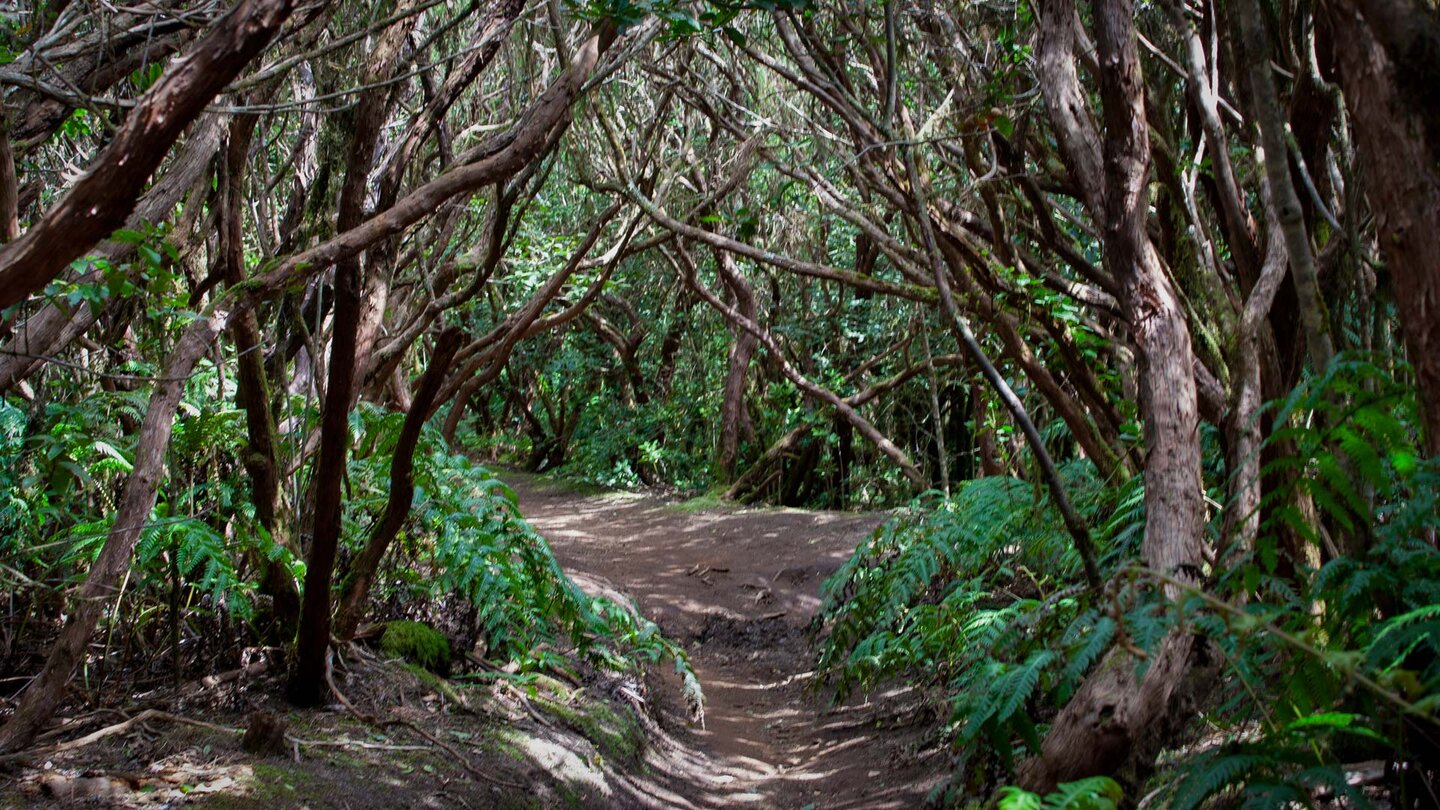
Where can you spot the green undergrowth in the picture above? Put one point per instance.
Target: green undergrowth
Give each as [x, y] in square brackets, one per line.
[389, 766]
[616, 734]
[980, 596]
[708, 501]
[466, 541]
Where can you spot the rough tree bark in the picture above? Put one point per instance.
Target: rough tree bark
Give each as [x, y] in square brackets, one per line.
[1242, 513]
[1389, 60]
[9, 191]
[1116, 720]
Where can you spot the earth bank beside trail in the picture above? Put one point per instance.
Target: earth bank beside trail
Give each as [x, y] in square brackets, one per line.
[739, 587]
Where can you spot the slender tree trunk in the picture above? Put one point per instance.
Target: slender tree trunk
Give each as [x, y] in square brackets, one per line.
[356, 590]
[9, 190]
[985, 444]
[252, 391]
[937, 420]
[137, 499]
[742, 350]
[1270, 118]
[307, 681]
[1242, 514]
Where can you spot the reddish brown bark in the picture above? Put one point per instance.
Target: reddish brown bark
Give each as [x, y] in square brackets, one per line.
[9, 191]
[1395, 135]
[101, 200]
[402, 488]
[54, 327]
[307, 681]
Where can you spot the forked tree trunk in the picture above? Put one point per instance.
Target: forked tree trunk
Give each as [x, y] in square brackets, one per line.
[312, 643]
[1117, 721]
[1242, 513]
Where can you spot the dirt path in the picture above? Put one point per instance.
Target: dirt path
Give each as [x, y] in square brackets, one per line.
[738, 587]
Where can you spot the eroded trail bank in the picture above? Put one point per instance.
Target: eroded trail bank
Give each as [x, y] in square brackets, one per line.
[738, 588]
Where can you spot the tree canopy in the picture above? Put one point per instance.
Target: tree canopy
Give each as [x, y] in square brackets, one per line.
[1135, 308]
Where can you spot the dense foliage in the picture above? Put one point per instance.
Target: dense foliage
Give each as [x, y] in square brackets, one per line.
[1130, 308]
[980, 596]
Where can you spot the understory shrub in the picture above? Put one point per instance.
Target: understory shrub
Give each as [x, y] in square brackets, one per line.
[979, 596]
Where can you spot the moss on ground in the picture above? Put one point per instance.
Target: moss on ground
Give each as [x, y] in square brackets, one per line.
[617, 736]
[418, 643]
[708, 502]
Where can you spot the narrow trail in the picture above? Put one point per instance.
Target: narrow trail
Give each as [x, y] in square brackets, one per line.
[737, 587]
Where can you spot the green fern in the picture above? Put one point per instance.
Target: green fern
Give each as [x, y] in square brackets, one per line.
[1095, 793]
[467, 535]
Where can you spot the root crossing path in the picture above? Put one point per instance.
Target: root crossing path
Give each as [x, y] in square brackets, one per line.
[738, 587]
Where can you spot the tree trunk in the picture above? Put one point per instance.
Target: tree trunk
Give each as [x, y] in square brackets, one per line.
[1397, 135]
[742, 350]
[1270, 119]
[137, 499]
[1115, 719]
[356, 590]
[252, 392]
[307, 681]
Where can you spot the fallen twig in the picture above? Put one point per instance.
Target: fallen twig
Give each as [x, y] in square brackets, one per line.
[369, 746]
[125, 725]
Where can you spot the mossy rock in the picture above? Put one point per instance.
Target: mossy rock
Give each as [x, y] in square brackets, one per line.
[418, 643]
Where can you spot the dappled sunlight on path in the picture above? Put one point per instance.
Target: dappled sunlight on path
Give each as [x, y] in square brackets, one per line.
[738, 589]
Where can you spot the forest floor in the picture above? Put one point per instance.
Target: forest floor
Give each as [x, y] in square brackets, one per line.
[736, 587]
[739, 587]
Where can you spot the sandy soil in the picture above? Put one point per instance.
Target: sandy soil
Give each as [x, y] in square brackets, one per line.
[738, 588]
